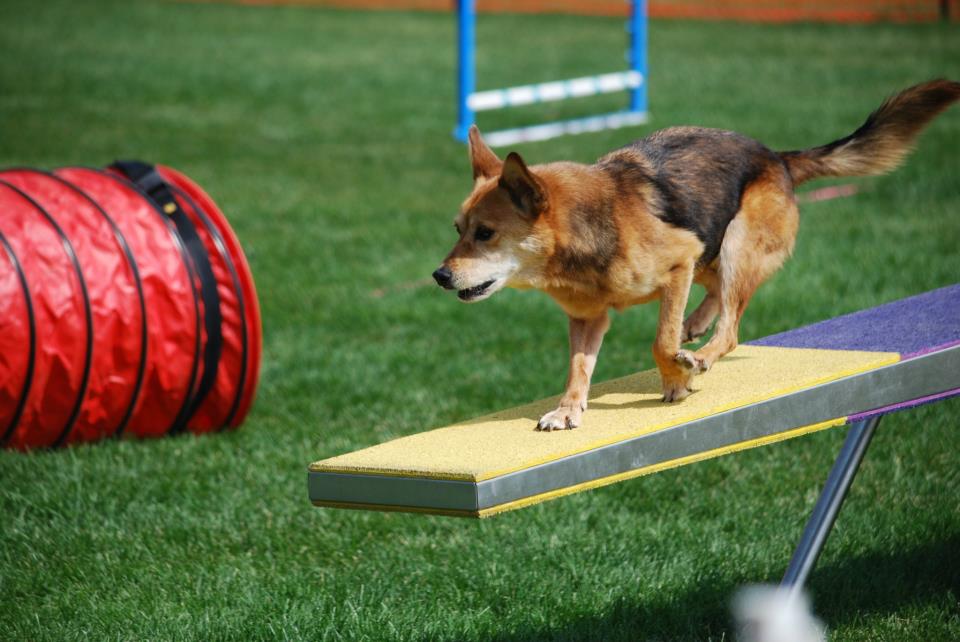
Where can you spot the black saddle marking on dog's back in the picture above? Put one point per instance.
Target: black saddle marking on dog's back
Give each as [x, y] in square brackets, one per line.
[698, 175]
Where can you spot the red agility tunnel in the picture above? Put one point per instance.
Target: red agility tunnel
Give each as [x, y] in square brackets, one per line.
[127, 307]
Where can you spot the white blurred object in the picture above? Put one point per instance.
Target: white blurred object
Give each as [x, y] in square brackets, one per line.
[774, 614]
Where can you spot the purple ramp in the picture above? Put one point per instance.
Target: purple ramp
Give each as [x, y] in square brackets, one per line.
[912, 326]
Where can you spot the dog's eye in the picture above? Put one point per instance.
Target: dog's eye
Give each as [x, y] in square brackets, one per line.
[483, 234]
[457, 228]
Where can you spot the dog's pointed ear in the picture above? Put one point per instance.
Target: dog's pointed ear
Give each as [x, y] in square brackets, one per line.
[526, 191]
[485, 163]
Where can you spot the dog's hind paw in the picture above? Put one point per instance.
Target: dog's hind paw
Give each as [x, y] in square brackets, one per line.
[691, 362]
[563, 418]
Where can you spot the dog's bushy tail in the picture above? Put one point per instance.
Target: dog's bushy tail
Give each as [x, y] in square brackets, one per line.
[882, 141]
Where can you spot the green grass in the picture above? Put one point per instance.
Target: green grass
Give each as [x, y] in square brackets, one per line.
[324, 135]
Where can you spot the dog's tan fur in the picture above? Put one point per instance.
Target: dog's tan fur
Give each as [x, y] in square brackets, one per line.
[685, 205]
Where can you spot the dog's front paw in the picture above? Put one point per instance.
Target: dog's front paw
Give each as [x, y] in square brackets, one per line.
[675, 391]
[691, 362]
[563, 418]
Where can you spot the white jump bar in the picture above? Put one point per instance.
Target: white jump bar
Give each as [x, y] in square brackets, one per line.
[557, 90]
[532, 133]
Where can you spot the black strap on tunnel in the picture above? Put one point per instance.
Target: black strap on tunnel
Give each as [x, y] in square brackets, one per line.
[148, 179]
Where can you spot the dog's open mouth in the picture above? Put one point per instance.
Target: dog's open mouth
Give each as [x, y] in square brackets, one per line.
[475, 292]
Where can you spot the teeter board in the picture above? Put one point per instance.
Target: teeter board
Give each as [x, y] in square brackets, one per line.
[842, 370]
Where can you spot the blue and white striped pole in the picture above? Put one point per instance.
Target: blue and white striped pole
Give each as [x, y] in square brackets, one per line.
[556, 90]
[466, 74]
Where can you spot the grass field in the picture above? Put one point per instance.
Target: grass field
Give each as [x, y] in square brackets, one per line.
[324, 135]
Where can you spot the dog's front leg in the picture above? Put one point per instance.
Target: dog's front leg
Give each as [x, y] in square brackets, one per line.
[586, 335]
[677, 367]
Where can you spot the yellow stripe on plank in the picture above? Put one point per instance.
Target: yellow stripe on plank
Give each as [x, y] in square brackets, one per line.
[620, 409]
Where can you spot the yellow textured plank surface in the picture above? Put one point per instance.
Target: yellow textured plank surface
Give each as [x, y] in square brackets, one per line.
[620, 409]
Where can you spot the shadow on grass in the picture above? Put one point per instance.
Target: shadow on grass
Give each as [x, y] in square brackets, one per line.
[843, 592]
[881, 582]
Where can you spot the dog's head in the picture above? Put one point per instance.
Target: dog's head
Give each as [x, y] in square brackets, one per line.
[497, 226]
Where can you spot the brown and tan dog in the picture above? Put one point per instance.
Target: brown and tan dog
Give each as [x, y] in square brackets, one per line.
[684, 205]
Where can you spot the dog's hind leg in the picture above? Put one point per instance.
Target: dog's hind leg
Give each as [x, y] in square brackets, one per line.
[586, 336]
[676, 378]
[700, 320]
[756, 243]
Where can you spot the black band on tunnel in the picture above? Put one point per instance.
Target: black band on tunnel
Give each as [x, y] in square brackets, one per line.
[148, 179]
[238, 291]
[28, 378]
[180, 419]
[87, 312]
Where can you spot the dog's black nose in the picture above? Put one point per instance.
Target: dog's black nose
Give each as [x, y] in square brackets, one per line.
[443, 276]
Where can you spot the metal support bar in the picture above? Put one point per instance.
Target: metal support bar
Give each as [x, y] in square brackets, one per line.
[828, 505]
